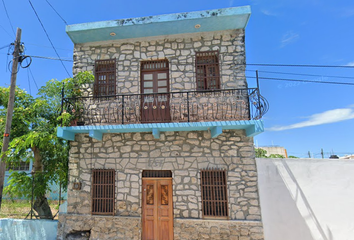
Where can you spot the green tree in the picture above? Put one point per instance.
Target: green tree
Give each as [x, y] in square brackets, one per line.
[33, 136]
[261, 153]
[276, 156]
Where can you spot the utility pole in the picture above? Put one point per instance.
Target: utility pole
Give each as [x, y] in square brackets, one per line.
[322, 153]
[10, 109]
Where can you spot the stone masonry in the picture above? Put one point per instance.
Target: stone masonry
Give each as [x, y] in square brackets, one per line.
[180, 52]
[185, 154]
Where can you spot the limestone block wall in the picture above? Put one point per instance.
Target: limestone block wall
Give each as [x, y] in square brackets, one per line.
[178, 49]
[184, 153]
[129, 228]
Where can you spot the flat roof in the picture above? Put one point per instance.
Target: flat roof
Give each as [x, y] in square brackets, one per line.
[167, 24]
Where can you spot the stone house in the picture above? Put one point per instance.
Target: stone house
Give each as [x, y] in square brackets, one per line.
[165, 150]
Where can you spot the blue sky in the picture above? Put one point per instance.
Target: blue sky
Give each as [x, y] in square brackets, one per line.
[302, 116]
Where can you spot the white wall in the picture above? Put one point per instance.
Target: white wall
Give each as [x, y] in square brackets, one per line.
[20, 229]
[307, 199]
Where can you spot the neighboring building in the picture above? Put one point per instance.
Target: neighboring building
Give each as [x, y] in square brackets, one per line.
[275, 150]
[347, 157]
[54, 192]
[166, 151]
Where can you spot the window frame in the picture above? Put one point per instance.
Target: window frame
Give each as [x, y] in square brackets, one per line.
[213, 183]
[154, 67]
[105, 68]
[99, 205]
[20, 166]
[207, 62]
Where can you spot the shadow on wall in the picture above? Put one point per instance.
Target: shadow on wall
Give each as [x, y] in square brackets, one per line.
[286, 212]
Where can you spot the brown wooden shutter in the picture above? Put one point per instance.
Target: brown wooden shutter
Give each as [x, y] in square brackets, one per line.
[214, 193]
[105, 77]
[103, 191]
[207, 70]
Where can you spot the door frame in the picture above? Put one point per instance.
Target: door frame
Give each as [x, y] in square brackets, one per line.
[158, 209]
[155, 110]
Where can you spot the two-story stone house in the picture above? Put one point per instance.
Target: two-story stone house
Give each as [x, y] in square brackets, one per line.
[166, 149]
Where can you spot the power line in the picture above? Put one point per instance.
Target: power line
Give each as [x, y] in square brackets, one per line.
[29, 82]
[48, 36]
[47, 46]
[301, 74]
[52, 58]
[5, 46]
[297, 80]
[49, 58]
[57, 12]
[297, 65]
[34, 80]
[6, 31]
[8, 17]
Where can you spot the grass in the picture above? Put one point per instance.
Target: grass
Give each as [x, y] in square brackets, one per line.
[21, 208]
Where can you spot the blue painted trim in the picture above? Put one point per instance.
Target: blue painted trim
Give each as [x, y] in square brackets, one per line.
[156, 133]
[161, 25]
[68, 135]
[96, 135]
[251, 127]
[216, 131]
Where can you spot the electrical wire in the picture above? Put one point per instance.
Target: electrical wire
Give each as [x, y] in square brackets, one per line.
[301, 74]
[34, 80]
[296, 65]
[57, 12]
[48, 47]
[52, 58]
[298, 80]
[5, 46]
[8, 17]
[6, 31]
[29, 82]
[48, 37]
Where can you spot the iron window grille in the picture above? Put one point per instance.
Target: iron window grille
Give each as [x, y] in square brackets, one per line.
[157, 174]
[21, 166]
[214, 193]
[207, 70]
[103, 191]
[105, 77]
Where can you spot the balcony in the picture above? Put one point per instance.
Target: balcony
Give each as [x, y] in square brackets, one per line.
[174, 111]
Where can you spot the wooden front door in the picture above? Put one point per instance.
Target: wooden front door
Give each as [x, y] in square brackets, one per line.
[157, 209]
[155, 99]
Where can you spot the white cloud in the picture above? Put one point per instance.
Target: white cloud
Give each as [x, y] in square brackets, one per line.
[350, 64]
[288, 38]
[231, 3]
[268, 12]
[330, 116]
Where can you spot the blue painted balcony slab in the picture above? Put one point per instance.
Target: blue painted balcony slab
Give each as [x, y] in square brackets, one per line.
[251, 127]
[160, 25]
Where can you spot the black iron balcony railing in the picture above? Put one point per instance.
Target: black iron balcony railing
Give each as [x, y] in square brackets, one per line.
[193, 106]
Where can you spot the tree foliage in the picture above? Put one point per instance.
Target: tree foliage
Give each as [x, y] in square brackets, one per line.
[33, 136]
[261, 153]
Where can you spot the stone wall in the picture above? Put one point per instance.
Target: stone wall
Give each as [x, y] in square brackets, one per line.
[82, 227]
[186, 229]
[184, 153]
[180, 52]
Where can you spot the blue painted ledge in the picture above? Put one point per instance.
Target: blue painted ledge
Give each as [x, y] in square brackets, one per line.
[251, 127]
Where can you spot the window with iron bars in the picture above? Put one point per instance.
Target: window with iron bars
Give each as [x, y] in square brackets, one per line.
[214, 193]
[21, 166]
[103, 191]
[207, 70]
[105, 77]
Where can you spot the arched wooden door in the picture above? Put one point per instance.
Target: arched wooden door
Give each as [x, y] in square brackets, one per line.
[157, 209]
